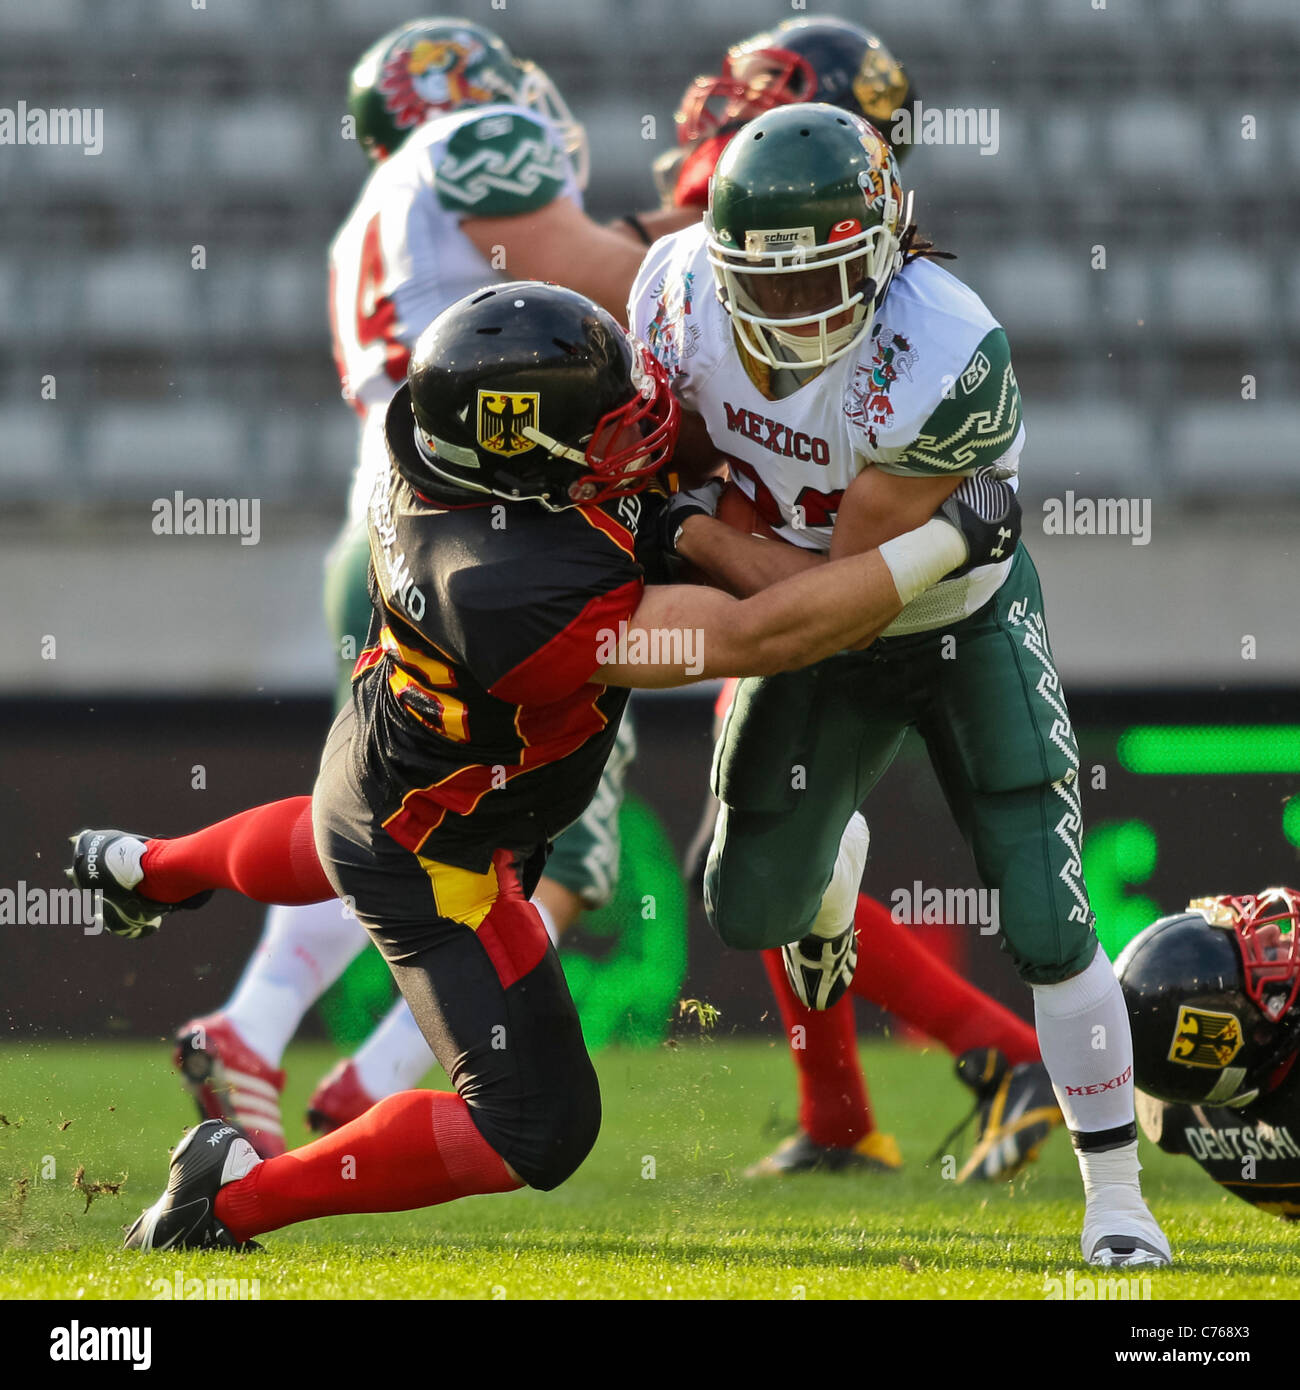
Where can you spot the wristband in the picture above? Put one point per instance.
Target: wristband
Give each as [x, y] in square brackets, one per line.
[917, 559]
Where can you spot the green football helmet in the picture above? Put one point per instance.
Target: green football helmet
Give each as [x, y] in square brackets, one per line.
[805, 218]
[431, 66]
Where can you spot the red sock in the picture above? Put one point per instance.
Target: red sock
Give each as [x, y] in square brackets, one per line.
[833, 1104]
[267, 854]
[896, 973]
[413, 1149]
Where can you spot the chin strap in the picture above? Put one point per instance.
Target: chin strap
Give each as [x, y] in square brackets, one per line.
[810, 350]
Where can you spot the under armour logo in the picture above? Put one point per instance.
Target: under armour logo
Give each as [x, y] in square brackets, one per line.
[1003, 536]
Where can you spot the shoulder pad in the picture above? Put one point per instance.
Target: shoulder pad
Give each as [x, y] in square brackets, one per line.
[662, 300]
[976, 420]
[500, 164]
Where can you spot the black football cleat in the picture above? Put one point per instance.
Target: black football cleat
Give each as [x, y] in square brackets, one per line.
[1017, 1110]
[184, 1217]
[820, 968]
[108, 862]
[873, 1153]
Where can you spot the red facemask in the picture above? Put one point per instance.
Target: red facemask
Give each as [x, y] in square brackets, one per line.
[749, 84]
[652, 416]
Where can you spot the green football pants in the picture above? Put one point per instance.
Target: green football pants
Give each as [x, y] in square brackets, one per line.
[800, 752]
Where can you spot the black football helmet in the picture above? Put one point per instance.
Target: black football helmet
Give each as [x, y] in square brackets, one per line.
[1210, 995]
[827, 60]
[530, 392]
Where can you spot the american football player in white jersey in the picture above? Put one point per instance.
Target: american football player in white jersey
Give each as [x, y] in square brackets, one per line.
[479, 170]
[856, 385]
[842, 63]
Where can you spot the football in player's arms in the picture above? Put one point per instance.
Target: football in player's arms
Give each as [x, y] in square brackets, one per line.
[1211, 994]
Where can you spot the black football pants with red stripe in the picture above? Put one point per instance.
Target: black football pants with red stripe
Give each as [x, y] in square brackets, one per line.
[472, 959]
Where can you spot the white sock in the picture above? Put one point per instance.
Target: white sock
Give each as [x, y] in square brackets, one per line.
[395, 1056]
[548, 921]
[302, 952]
[1083, 1031]
[840, 900]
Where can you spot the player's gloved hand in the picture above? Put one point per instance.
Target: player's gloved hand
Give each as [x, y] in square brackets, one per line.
[699, 501]
[987, 513]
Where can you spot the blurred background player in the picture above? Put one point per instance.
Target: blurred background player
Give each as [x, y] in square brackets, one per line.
[822, 366]
[828, 60]
[479, 173]
[997, 1055]
[1211, 995]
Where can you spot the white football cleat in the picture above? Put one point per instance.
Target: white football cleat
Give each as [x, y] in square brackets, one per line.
[1118, 1229]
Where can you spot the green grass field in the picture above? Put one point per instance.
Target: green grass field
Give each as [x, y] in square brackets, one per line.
[701, 1111]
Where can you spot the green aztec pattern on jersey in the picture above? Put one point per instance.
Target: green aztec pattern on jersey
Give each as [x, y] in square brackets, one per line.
[976, 421]
[500, 166]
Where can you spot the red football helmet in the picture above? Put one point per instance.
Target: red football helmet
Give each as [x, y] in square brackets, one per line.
[830, 60]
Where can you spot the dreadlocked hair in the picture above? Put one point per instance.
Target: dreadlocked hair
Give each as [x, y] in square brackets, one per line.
[914, 246]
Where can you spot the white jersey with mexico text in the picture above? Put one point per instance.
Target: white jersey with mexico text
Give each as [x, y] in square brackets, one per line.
[928, 391]
[401, 257]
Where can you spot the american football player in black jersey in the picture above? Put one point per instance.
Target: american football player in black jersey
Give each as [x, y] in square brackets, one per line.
[511, 541]
[1211, 993]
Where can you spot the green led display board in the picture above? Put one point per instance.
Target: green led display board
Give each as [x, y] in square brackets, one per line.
[1211, 808]
[1210, 750]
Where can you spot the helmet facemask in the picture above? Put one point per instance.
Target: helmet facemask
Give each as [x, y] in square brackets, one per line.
[538, 93]
[751, 81]
[1266, 929]
[797, 303]
[612, 462]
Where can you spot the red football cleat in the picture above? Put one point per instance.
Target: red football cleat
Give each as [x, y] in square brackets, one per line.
[338, 1099]
[228, 1080]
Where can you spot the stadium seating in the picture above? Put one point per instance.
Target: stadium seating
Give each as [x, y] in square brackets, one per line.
[1246, 448]
[222, 128]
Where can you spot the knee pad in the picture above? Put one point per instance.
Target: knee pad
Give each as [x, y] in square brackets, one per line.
[752, 912]
[740, 910]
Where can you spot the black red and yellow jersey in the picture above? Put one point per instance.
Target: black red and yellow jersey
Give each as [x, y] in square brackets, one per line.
[1254, 1152]
[478, 727]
